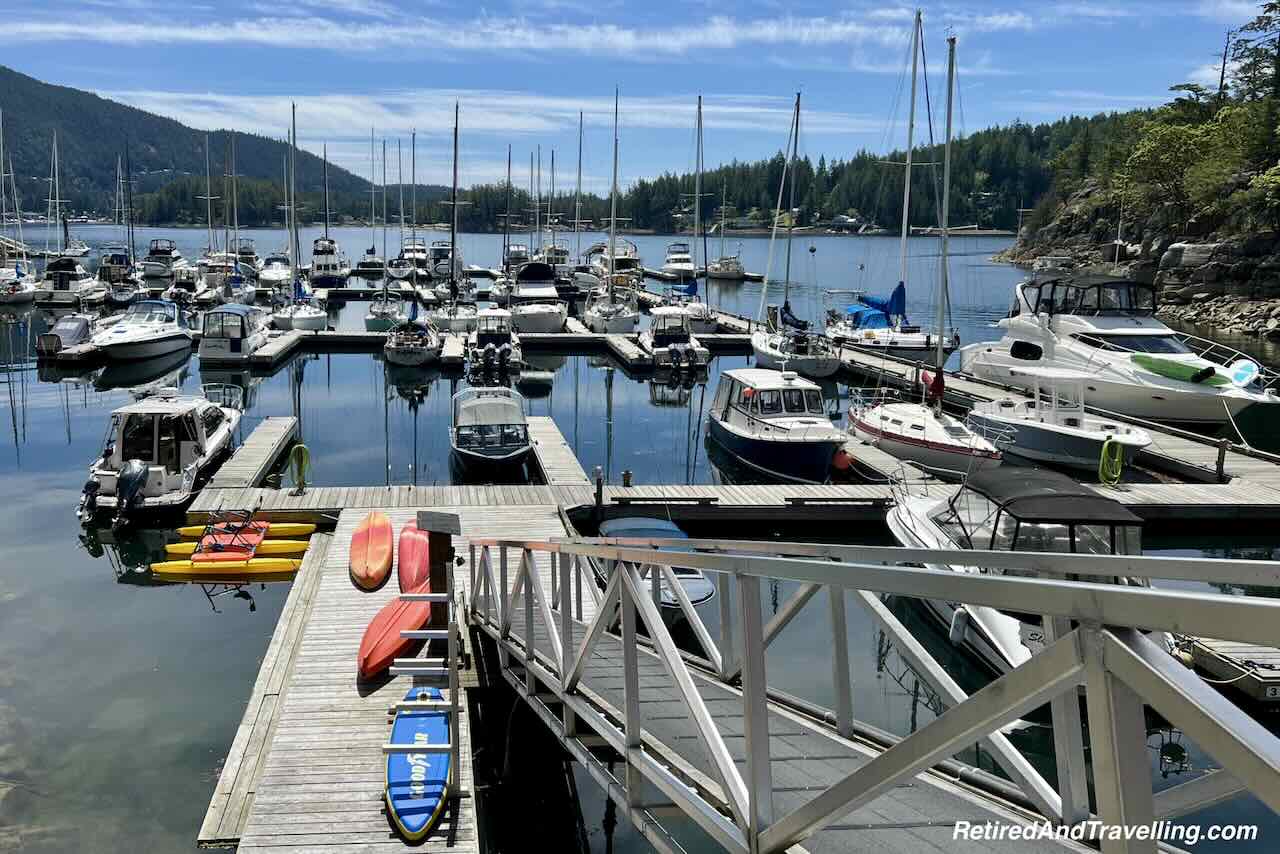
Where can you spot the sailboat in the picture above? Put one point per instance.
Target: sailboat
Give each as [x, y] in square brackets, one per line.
[702, 319]
[371, 264]
[65, 282]
[17, 283]
[453, 315]
[727, 267]
[613, 310]
[412, 343]
[922, 433]
[787, 343]
[879, 324]
[329, 266]
[302, 313]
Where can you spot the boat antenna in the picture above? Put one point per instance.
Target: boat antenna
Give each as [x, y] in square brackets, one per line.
[946, 201]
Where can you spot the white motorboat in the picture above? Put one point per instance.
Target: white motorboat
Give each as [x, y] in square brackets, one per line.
[697, 587]
[232, 333]
[1106, 328]
[65, 282]
[534, 302]
[189, 287]
[401, 268]
[329, 267]
[555, 254]
[703, 319]
[413, 251]
[1052, 426]
[679, 261]
[1010, 509]
[489, 433]
[669, 339]
[148, 328]
[612, 310]
[114, 264]
[412, 343]
[516, 255]
[70, 330]
[623, 258]
[276, 273]
[246, 253]
[157, 451]
[161, 259]
[776, 423]
[370, 264]
[794, 350]
[441, 260]
[493, 345]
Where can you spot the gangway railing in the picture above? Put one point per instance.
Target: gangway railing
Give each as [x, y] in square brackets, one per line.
[1095, 639]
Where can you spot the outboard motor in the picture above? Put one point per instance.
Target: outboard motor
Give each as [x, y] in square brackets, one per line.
[88, 501]
[490, 354]
[677, 357]
[504, 356]
[129, 485]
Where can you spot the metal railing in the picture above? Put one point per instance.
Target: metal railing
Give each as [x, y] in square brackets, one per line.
[1094, 638]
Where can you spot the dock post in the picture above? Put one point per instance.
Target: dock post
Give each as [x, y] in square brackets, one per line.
[1223, 444]
[1068, 737]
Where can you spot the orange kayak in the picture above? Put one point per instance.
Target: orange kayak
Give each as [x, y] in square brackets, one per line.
[382, 644]
[371, 551]
[413, 559]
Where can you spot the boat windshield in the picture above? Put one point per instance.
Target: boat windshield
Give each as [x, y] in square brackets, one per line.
[492, 436]
[1128, 343]
[138, 438]
[223, 324]
[150, 312]
[973, 521]
[1100, 298]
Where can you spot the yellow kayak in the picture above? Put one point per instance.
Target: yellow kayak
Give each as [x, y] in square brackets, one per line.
[219, 568]
[265, 548]
[274, 529]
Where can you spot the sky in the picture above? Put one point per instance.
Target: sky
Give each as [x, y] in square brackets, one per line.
[523, 69]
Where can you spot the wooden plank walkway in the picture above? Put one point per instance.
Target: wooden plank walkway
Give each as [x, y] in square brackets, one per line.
[1248, 668]
[250, 462]
[628, 352]
[556, 459]
[238, 779]
[452, 349]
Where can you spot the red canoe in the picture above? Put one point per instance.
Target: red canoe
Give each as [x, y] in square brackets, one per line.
[413, 565]
[371, 551]
[382, 643]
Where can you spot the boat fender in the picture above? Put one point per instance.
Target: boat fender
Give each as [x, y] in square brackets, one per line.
[1204, 374]
[959, 625]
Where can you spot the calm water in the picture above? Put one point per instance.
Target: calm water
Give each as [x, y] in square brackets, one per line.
[119, 698]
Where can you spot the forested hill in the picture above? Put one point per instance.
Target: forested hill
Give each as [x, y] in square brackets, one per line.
[93, 131]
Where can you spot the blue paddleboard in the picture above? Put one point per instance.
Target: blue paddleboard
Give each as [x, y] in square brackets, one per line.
[416, 782]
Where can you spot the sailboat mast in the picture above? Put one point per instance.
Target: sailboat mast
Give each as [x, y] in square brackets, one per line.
[384, 202]
[506, 220]
[453, 223]
[577, 199]
[533, 245]
[551, 201]
[911, 131]
[724, 203]
[208, 192]
[57, 193]
[613, 196]
[791, 200]
[373, 196]
[288, 213]
[413, 188]
[946, 204]
[324, 151]
[235, 195]
[537, 205]
[128, 196]
[400, 188]
[294, 240]
[697, 195]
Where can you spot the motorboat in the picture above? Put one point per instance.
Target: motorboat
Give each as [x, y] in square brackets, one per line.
[157, 451]
[443, 262]
[276, 273]
[876, 325]
[401, 268]
[414, 251]
[489, 433]
[370, 264]
[678, 263]
[453, 316]
[148, 328]
[385, 311]
[556, 255]
[115, 264]
[161, 259]
[188, 288]
[232, 333]
[625, 259]
[670, 341]
[703, 319]
[1106, 327]
[246, 254]
[124, 294]
[516, 255]
[66, 282]
[922, 434]
[493, 345]
[1010, 509]
[697, 588]
[70, 330]
[145, 376]
[329, 267]
[534, 302]
[776, 423]
[612, 310]
[412, 343]
[1051, 426]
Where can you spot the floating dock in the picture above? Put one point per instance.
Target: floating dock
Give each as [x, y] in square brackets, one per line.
[559, 465]
[249, 463]
[1248, 668]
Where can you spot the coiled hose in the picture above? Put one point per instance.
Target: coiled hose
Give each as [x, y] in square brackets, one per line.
[1111, 462]
[300, 467]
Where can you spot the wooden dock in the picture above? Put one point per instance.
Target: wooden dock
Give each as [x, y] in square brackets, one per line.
[452, 350]
[250, 462]
[556, 459]
[1248, 668]
[242, 768]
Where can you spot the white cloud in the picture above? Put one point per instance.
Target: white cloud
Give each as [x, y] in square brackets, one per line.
[1208, 75]
[1228, 11]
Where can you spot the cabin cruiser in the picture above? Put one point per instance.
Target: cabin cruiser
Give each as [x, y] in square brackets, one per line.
[157, 450]
[702, 318]
[246, 254]
[65, 282]
[412, 343]
[776, 423]
[921, 433]
[413, 260]
[188, 288]
[276, 273]
[679, 262]
[493, 346]
[115, 264]
[1051, 426]
[534, 302]
[1010, 509]
[329, 267]
[516, 255]
[876, 325]
[161, 259]
[401, 268]
[556, 255]
[70, 330]
[440, 257]
[232, 333]
[149, 328]
[1106, 328]
[370, 264]
[669, 339]
[626, 259]
[612, 310]
[697, 587]
[489, 433]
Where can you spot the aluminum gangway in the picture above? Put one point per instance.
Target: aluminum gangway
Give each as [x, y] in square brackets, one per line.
[675, 736]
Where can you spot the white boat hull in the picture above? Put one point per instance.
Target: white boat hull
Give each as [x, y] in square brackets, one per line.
[934, 456]
[148, 348]
[538, 318]
[613, 324]
[818, 366]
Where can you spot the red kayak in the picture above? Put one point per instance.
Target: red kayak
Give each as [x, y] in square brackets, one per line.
[382, 643]
[414, 558]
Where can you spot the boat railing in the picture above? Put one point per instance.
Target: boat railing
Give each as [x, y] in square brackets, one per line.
[224, 394]
[862, 399]
[1000, 435]
[1224, 355]
[539, 601]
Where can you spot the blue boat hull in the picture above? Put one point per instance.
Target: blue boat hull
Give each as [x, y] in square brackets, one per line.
[417, 783]
[794, 462]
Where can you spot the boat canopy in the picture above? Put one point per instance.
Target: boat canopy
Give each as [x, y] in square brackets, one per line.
[1039, 495]
[1091, 295]
[536, 271]
[162, 245]
[893, 306]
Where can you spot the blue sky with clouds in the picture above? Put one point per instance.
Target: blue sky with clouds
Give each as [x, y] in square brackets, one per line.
[524, 69]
